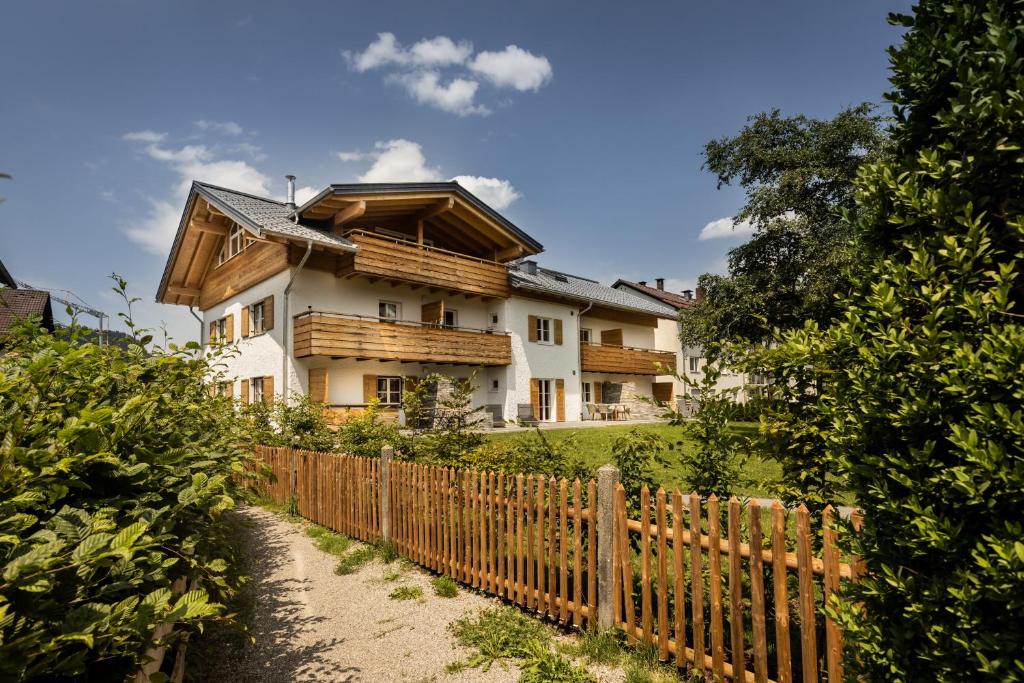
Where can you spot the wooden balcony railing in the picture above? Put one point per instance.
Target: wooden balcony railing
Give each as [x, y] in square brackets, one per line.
[340, 335]
[396, 259]
[626, 360]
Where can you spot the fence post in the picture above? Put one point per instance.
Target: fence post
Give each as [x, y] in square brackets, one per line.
[384, 496]
[607, 478]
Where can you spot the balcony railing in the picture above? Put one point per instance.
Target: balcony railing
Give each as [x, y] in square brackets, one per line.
[342, 335]
[397, 259]
[626, 360]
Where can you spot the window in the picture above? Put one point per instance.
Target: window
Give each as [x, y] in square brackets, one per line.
[585, 335]
[226, 389]
[494, 318]
[451, 318]
[218, 330]
[494, 385]
[235, 242]
[256, 385]
[694, 363]
[546, 396]
[389, 311]
[544, 330]
[759, 379]
[587, 391]
[389, 390]
[256, 318]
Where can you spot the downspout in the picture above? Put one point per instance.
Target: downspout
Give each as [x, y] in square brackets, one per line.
[579, 351]
[202, 325]
[287, 321]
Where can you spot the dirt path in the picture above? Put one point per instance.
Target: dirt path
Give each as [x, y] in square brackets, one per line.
[313, 625]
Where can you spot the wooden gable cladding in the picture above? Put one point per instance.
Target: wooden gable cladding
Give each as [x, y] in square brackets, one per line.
[395, 259]
[253, 265]
[319, 334]
[625, 360]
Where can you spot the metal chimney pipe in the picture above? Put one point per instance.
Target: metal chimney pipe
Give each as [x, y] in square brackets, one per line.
[291, 191]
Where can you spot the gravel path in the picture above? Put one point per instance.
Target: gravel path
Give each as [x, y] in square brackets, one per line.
[313, 625]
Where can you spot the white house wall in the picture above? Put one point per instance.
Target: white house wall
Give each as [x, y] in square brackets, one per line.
[542, 361]
[640, 336]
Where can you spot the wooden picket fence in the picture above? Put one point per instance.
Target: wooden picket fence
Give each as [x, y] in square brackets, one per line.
[731, 606]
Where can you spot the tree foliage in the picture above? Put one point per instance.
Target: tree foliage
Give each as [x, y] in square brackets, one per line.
[928, 388]
[798, 175]
[115, 467]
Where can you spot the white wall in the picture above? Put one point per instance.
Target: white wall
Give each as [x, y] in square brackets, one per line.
[259, 355]
[542, 361]
[640, 336]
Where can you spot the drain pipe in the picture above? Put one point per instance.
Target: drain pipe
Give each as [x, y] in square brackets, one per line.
[579, 350]
[286, 345]
[202, 325]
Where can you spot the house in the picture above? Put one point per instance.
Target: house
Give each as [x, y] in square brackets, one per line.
[18, 304]
[367, 286]
[690, 361]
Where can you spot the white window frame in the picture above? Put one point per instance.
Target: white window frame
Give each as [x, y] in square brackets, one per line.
[235, 242]
[389, 388]
[694, 364]
[382, 304]
[545, 331]
[455, 319]
[220, 330]
[256, 387]
[546, 399]
[588, 392]
[586, 335]
[256, 320]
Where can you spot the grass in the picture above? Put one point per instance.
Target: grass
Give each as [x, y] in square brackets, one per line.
[328, 541]
[406, 593]
[355, 560]
[496, 634]
[595, 446]
[604, 647]
[444, 586]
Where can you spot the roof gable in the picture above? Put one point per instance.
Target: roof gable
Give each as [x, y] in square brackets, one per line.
[585, 290]
[677, 301]
[20, 304]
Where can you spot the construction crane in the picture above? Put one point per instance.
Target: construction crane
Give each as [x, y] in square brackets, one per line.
[77, 306]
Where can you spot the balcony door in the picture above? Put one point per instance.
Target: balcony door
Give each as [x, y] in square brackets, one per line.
[546, 400]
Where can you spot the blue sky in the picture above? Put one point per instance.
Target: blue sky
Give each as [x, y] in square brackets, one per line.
[583, 122]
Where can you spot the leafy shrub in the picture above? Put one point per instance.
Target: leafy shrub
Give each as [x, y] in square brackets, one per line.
[297, 423]
[365, 434]
[115, 467]
[533, 452]
[633, 453]
[444, 586]
[713, 464]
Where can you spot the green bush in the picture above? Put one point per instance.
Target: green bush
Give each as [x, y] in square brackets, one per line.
[365, 434]
[297, 423]
[115, 467]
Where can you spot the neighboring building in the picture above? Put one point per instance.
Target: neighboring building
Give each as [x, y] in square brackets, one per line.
[368, 286]
[690, 361]
[18, 304]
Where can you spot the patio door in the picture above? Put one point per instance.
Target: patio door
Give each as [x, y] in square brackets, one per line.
[546, 400]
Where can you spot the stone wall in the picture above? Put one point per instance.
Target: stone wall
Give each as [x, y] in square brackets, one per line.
[627, 394]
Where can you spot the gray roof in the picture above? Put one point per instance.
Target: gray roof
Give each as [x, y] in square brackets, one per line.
[267, 216]
[586, 290]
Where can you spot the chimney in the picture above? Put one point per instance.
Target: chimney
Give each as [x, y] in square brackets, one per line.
[529, 267]
[661, 283]
[688, 294]
[642, 283]
[291, 192]
[700, 293]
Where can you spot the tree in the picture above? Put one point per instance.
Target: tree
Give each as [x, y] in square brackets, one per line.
[798, 174]
[928, 391]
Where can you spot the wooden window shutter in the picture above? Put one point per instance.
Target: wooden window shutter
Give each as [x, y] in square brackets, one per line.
[596, 394]
[433, 312]
[268, 390]
[560, 400]
[245, 391]
[369, 388]
[229, 328]
[213, 332]
[662, 391]
[268, 314]
[229, 389]
[535, 398]
[532, 331]
[612, 337]
[558, 332]
[318, 385]
[245, 321]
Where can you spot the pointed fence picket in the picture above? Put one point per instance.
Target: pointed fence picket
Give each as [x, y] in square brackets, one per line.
[743, 607]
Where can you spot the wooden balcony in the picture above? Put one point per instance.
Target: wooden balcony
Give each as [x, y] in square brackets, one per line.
[625, 360]
[353, 336]
[399, 260]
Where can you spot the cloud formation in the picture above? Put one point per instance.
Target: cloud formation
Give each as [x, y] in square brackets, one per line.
[149, 136]
[725, 227]
[225, 127]
[496, 192]
[443, 73]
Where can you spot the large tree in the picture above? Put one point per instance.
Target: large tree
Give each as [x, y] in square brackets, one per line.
[798, 174]
[927, 390]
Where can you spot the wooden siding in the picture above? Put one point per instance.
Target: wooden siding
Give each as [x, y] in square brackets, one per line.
[625, 360]
[396, 259]
[338, 336]
[254, 265]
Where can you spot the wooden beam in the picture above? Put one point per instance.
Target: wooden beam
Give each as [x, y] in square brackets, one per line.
[509, 253]
[349, 213]
[437, 209]
[211, 228]
[177, 290]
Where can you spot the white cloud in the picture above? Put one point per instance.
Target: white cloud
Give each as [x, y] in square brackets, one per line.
[351, 156]
[495, 192]
[155, 233]
[513, 67]
[226, 127]
[386, 50]
[724, 227]
[399, 161]
[456, 96]
[148, 136]
[304, 194]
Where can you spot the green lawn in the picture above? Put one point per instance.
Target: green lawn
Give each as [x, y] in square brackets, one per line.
[596, 447]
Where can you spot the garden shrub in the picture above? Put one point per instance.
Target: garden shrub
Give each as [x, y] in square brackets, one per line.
[365, 434]
[115, 466]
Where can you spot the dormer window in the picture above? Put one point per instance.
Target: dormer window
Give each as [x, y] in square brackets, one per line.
[234, 244]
